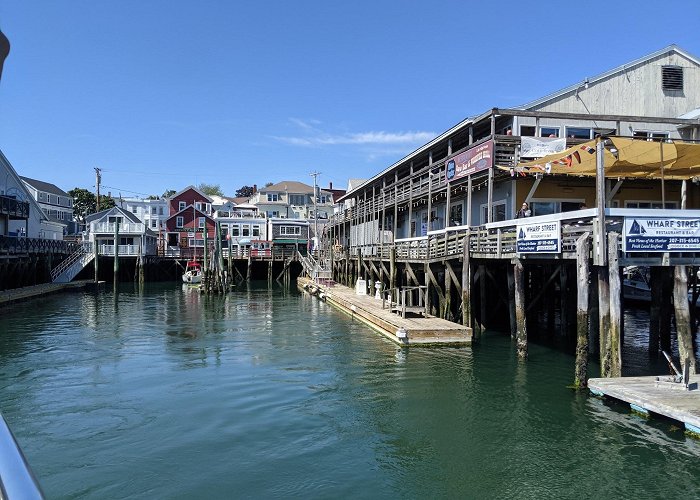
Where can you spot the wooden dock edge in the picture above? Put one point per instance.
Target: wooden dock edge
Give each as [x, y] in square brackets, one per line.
[30, 292]
[377, 324]
[647, 405]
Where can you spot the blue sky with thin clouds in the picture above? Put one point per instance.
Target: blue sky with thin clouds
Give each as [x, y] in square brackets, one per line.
[161, 94]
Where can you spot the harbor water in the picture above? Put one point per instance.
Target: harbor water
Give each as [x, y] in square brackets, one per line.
[268, 393]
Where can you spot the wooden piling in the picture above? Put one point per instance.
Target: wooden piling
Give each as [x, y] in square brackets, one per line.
[604, 320]
[482, 298]
[116, 252]
[510, 277]
[96, 260]
[655, 310]
[680, 301]
[521, 335]
[249, 271]
[466, 283]
[666, 312]
[615, 287]
[392, 269]
[582, 274]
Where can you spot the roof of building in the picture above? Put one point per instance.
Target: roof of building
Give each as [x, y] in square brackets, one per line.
[47, 187]
[193, 188]
[103, 213]
[290, 187]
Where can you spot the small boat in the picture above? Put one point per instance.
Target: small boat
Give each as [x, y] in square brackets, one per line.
[636, 286]
[193, 273]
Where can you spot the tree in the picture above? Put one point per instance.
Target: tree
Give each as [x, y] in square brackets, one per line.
[210, 189]
[168, 193]
[85, 203]
[245, 191]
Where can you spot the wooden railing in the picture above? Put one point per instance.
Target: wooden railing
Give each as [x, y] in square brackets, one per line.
[17, 245]
[14, 208]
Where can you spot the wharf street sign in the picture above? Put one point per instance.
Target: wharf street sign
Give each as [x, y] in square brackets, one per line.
[661, 234]
[544, 237]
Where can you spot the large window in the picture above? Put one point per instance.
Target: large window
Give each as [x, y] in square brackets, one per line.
[650, 136]
[272, 197]
[549, 131]
[547, 207]
[297, 199]
[456, 215]
[499, 212]
[650, 204]
[578, 133]
[290, 230]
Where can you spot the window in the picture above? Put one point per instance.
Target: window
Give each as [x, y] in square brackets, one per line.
[207, 208]
[650, 204]
[273, 213]
[323, 199]
[235, 230]
[456, 215]
[672, 78]
[182, 205]
[179, 221]
[160, 210]
[153, 210]
[245, 229]
[272, 197]
[154, 223]
[650, 136]
[297, 199]
[290, 230]
[499, 212]
[201, 222]
[549, 131]
[256, 229]
[578, 133]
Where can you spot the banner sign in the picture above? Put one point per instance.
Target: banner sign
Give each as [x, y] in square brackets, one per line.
[661, 234]
[544, 237]
[470, 161]
[537, 147]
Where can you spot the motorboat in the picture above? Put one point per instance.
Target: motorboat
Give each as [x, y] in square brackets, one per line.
[636, 285]
[193, 273]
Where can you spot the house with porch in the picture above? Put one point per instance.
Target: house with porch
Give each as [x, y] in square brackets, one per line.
[118, 230]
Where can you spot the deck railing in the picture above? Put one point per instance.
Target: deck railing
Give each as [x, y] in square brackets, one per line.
[124, 227]
[13, 207]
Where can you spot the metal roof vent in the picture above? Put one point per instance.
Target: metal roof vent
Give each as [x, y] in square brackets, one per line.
[672, 77]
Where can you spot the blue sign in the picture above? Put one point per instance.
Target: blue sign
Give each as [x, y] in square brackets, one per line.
[661, 234]
[544, 237]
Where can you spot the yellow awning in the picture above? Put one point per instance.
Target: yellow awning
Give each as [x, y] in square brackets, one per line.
[624, 157]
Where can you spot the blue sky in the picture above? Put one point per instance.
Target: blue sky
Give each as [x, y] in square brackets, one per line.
[162, 94]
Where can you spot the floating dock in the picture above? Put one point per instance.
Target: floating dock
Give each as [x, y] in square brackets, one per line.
[409, 331]
[655, 395]
[28, 292]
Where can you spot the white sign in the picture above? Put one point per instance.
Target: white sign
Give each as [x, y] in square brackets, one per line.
[661, 234]
[543, 237]
[537, 147]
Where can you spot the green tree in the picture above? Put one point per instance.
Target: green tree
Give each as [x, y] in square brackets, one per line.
[168, 193]
[85, 203]
[210, 189]
[245, 191]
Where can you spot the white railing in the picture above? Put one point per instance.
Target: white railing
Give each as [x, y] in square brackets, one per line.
[124, 227]
[71, 266]
[124, 250]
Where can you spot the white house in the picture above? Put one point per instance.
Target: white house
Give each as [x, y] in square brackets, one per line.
[134, 237]
[54, 201]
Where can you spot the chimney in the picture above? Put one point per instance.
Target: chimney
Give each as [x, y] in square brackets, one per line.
[255, 188]
[330, 185]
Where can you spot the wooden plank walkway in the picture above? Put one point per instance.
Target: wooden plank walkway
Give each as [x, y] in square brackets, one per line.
[27, 292]
[419, 330]
[648, 395]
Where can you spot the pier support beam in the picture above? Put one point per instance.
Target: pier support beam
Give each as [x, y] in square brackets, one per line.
[680, 301]
[604, 320]
[582, 272]
[655, 310]
[521, 336]
[510, 276]
[466, 283]
[615, 287]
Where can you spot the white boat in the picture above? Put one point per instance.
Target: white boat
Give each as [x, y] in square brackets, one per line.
[193, 273]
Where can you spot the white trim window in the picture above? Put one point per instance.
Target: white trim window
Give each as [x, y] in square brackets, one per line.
[181, 206]
[235, 230]
[290, 230]
[179, 221]
[201, 223]
[256, 230]
[272, 197]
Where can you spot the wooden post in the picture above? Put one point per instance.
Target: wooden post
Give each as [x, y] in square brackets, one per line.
[466, 283]
[269, 272]
[249, 271]
[599, 253]
[582, 273]
[142, 276]
[615, 306]
[447, 303]
[482, 298]
[116, 252]
[604, 320]
[521, 335]
[426, 279]
[96, 250]
[655, 283]
[392, 270]
[680, 300]
[511, 301]
[665, 313]
[563, 299]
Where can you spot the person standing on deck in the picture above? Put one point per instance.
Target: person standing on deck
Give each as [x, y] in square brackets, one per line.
[524, 211]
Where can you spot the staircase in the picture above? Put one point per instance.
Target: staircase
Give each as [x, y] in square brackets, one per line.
[319, 271]
[71, 266]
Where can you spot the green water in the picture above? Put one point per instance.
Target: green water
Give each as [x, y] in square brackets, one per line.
[271, 394]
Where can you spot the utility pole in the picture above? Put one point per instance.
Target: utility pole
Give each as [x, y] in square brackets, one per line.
[317, 240]
[98, 179]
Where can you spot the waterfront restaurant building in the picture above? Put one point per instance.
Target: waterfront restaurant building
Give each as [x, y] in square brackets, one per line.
[469, 175]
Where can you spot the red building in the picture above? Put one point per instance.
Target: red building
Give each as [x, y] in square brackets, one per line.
[191, 215]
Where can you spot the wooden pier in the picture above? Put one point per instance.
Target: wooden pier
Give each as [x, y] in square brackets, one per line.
[422, 330]
[655, 395]
[28, 292]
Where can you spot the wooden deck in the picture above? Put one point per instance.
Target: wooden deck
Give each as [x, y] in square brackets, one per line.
[645, 394]
[419, 330]
[28, 292]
